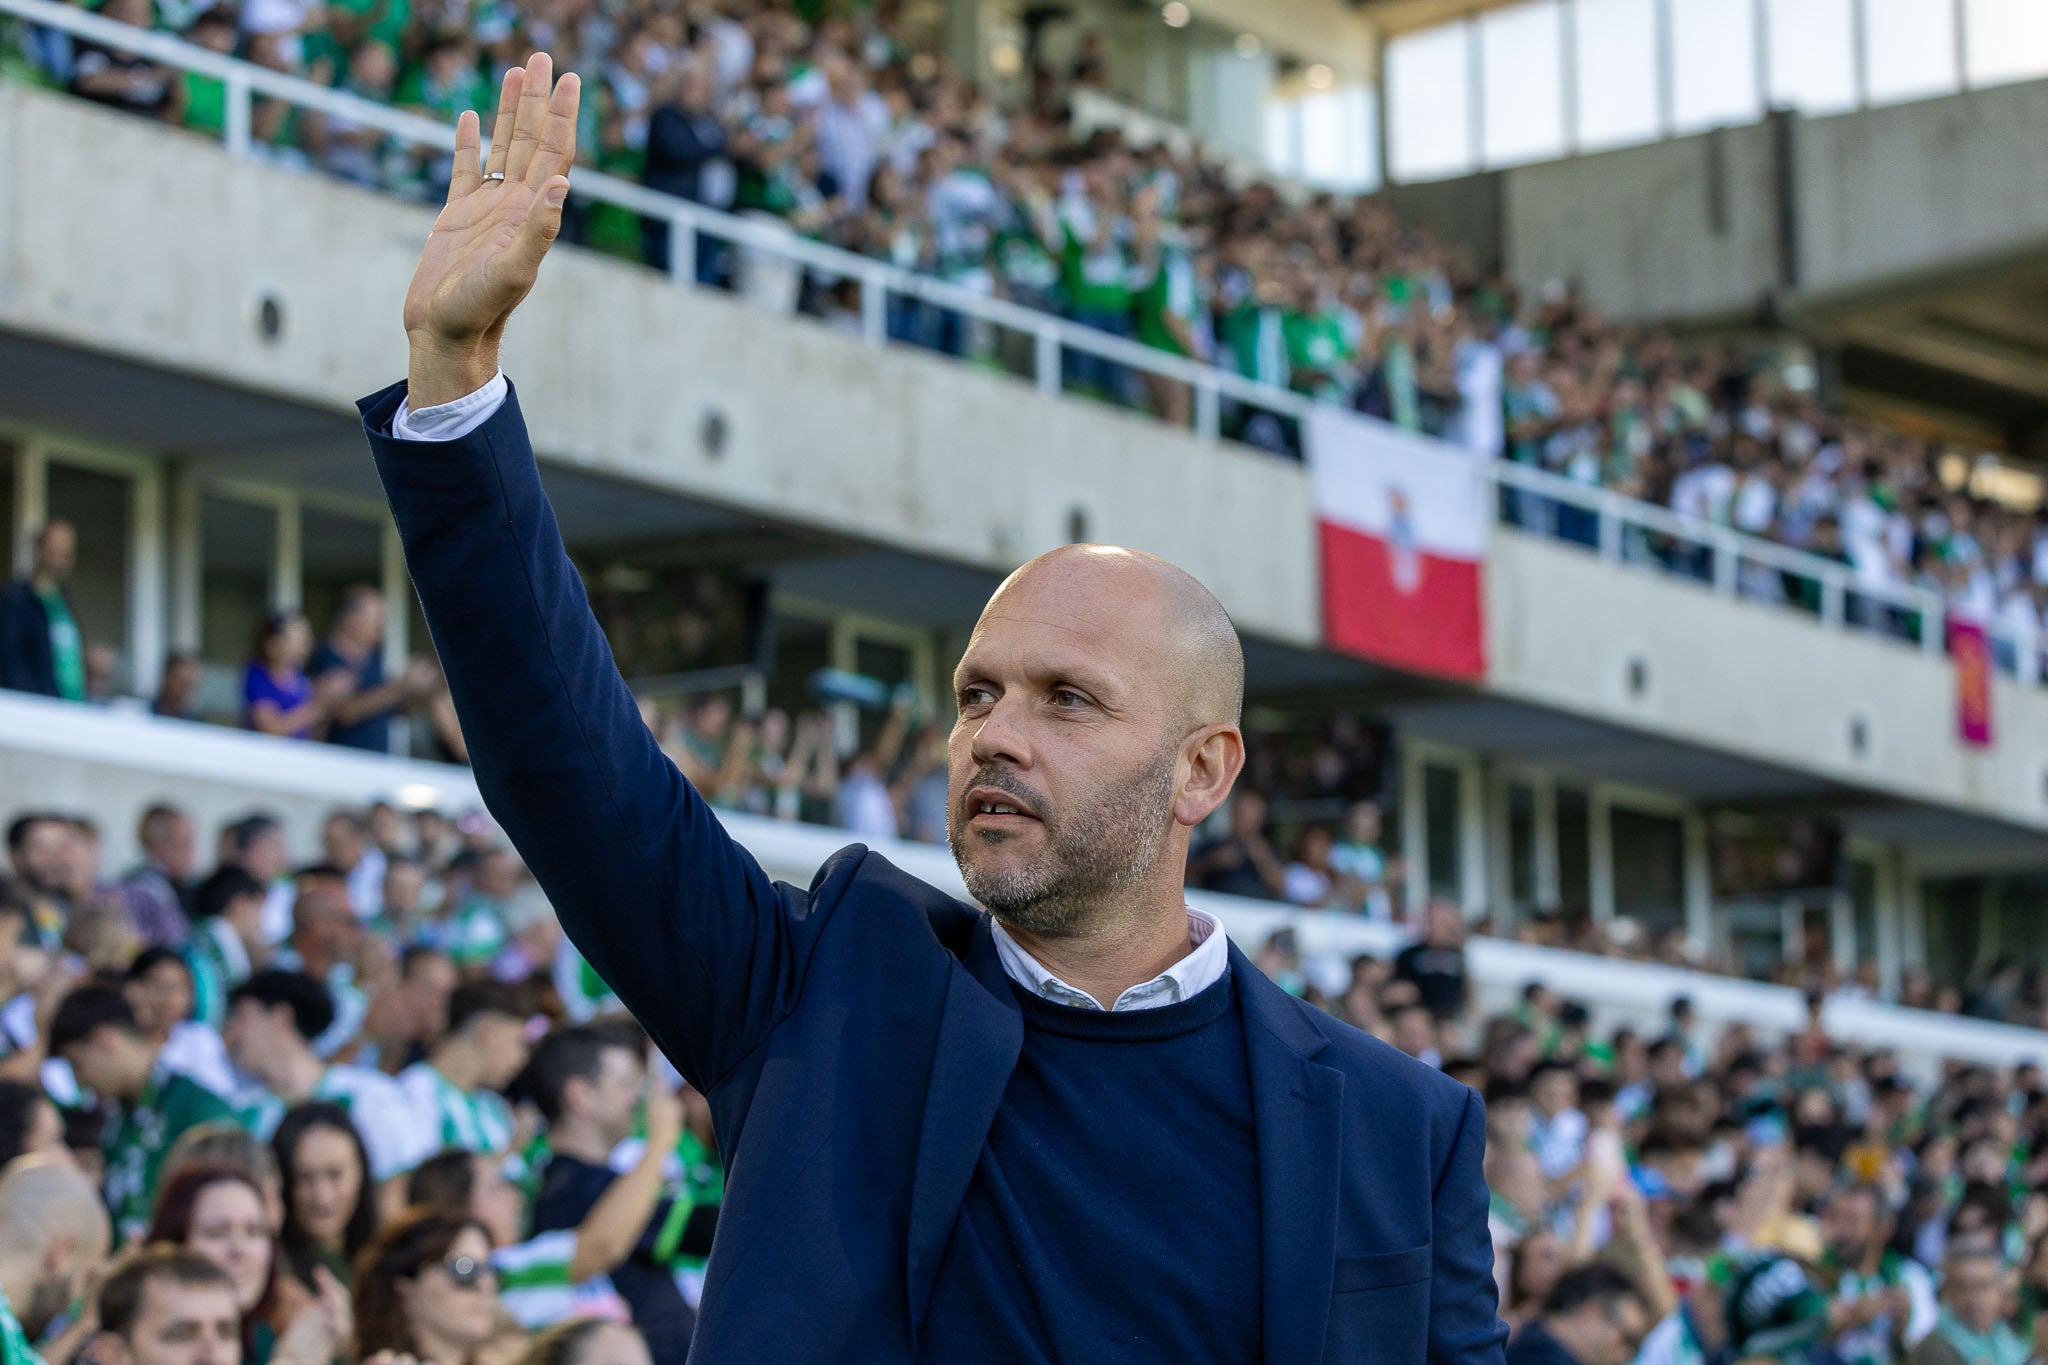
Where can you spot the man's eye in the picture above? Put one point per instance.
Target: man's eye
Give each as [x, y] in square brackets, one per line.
[1067, 698]
[973, 696]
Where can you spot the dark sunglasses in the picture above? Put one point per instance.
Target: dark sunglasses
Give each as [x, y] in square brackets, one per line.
[467, 1272]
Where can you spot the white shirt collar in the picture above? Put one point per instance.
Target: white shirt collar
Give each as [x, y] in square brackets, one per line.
[1207, 960]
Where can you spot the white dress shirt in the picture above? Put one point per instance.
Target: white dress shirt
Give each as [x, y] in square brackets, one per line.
[1202, 968]
[1209, 951]
[450, 421]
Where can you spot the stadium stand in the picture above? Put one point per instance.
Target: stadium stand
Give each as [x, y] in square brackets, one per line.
[1759, 1064]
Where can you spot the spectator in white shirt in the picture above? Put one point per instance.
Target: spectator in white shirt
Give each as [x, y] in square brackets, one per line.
[850, 125]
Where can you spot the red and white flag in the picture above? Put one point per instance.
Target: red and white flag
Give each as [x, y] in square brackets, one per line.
[1404, 523]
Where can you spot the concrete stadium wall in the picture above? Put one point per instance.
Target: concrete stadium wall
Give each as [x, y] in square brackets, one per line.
[1690, 227]
[616, 369]
[113, 765]
[1564, 628]
[1683, 228]
[1906, 188]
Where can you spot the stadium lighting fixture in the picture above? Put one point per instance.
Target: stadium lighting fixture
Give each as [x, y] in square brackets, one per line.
[1248, 45]
[1320, 77]
[1176, 14]
[417, 795]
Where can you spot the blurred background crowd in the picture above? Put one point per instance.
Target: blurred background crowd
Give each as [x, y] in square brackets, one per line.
[373, 1087]
[816, 118]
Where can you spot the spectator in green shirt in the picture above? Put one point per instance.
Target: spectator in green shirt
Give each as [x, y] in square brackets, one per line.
[53, 1235]
[41, 649]
[205, 106]
[95, 1031]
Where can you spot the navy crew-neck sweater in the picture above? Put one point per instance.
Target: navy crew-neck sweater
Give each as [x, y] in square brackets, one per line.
[1114, 1212]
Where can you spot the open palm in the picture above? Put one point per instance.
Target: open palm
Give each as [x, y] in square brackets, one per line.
[487, 244]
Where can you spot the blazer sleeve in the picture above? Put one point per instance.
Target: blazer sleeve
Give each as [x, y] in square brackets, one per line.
[1464, 1324]
[679, 919]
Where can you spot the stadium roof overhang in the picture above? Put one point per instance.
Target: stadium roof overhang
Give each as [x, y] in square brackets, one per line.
[227, 433]
[1960, 353]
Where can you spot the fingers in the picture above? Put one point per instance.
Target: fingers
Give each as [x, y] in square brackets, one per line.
[532, 119]
[467, 174]
[501, 128]
[557, 149]
[543, 222]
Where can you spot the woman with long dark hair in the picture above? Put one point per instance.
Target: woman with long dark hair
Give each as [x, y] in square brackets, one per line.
[220, 1213]
[330, 1205]
[425, 1288]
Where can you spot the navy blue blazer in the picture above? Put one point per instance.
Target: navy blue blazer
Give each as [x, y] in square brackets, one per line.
[855, 1038]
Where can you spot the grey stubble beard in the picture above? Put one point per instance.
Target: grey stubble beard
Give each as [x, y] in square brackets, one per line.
[1090, 856]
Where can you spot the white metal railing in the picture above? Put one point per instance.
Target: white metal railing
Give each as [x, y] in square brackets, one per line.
[1622, 525]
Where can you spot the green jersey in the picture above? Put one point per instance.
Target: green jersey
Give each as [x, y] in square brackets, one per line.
[1097, 276]
[1167, 297]
[475, 934]
[383, 1117]
[137, 1136]
[475, 1121]
[535, 1288]
[67, 646]
[14, 1347]
[219, 962]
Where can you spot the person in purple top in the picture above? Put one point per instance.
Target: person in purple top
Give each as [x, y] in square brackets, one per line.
[277, 696]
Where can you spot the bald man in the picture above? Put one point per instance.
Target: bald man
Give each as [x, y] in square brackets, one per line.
[1080, 1127]
[53, 1232]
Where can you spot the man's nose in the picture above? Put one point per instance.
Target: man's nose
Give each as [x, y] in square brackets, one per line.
[1000, 736]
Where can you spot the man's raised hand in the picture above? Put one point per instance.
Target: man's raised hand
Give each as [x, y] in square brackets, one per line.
[485, 249]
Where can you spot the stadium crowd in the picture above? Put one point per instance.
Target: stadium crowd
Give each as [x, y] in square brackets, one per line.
[375, 1102]
[1307, 826]
[828, 125]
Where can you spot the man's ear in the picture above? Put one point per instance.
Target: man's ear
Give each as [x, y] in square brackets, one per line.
[1213, 756]
[575, 1094]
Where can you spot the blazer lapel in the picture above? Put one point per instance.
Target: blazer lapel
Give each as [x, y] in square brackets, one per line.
[981, 1031]
[1297, 1110]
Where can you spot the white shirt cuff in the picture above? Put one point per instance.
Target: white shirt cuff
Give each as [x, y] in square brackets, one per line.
[450, 421]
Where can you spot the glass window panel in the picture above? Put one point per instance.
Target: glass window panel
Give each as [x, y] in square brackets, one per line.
[1521, 846]
[16, 560]
[1521, 53]
[1812, 47]
[1574, 850]
[1863, 899]
[1909, 49]
[1614, 48]
[99, 505]
[1283, 137]
[1649, 876]
[1440, 810]
[1713, 59]
[1337, 138]
[337, 552]
[2004, 40]
[1429, 77]
[237, 553]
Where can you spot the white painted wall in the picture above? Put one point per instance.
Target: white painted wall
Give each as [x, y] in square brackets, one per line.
[1876, 195]
[1766, 683]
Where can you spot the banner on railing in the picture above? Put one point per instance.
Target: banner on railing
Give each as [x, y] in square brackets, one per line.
[1971, 650]
[1403, 523]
